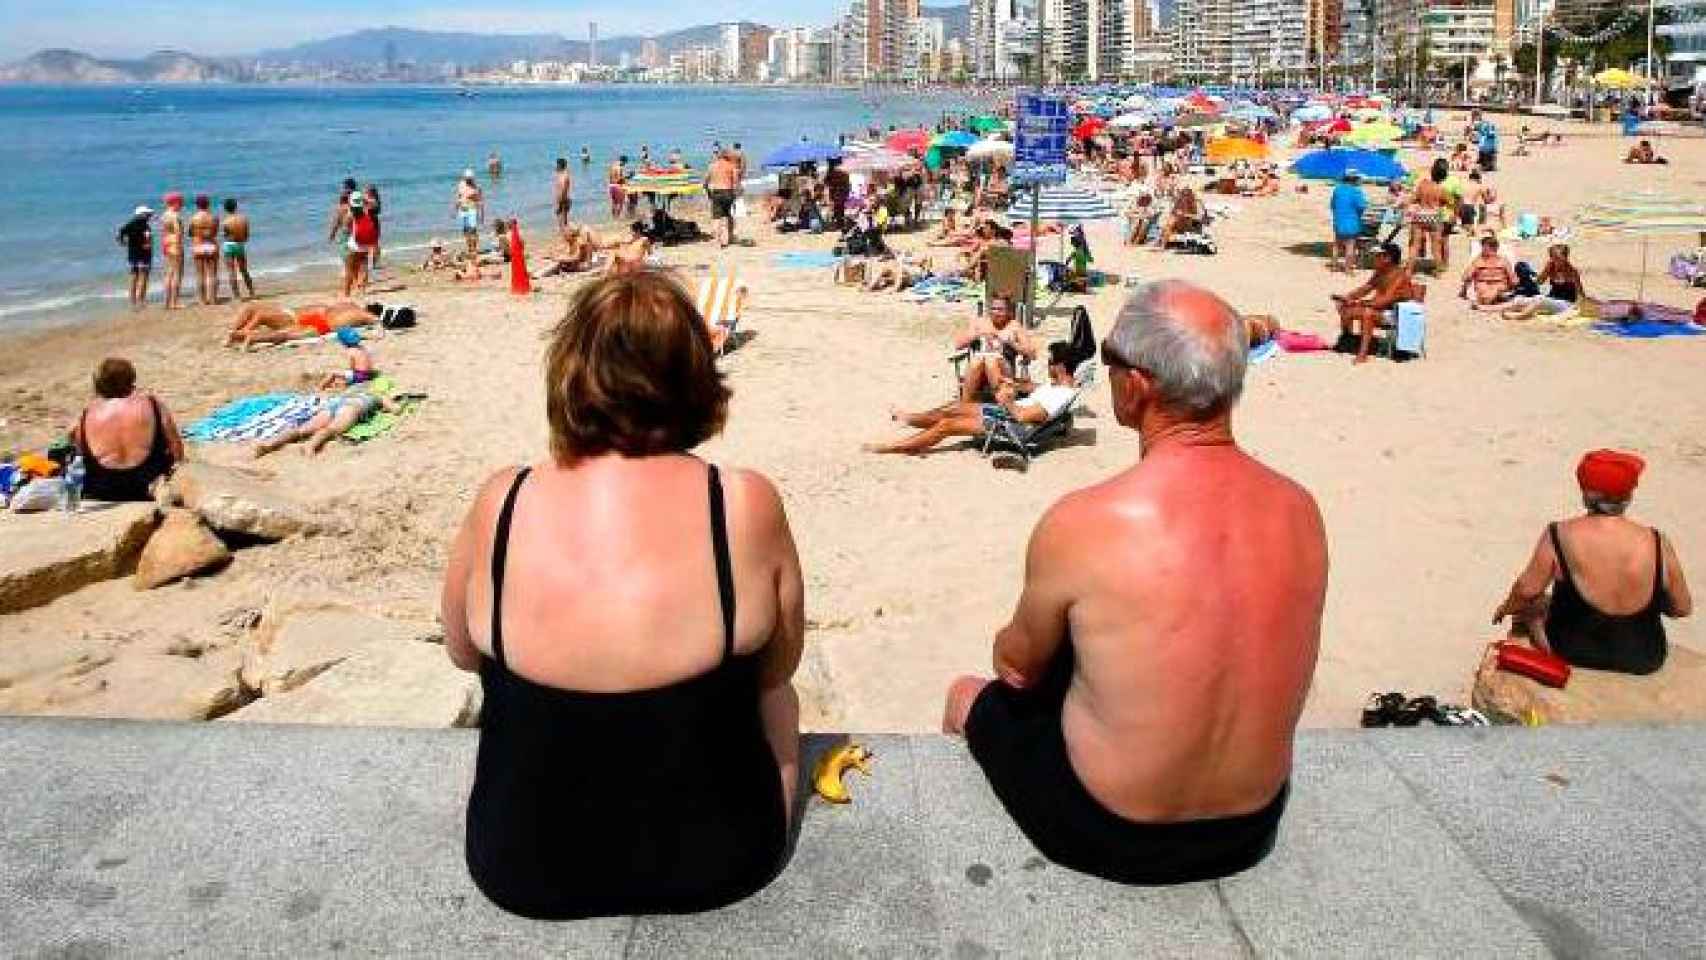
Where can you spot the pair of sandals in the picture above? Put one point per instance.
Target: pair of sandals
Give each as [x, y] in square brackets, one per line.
[1395, 710]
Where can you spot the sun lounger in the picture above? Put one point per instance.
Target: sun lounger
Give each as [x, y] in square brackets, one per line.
[1029, 440]
[720, 300]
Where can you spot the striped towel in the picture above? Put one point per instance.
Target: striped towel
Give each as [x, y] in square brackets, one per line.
[255, 418]
[720, 299]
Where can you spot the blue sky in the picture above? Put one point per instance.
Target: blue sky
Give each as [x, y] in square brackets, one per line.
[120, 28]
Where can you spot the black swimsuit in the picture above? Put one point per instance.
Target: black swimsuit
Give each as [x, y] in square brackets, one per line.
[129, 483]
[665, 800]
[1016, 737]
[1580, 633]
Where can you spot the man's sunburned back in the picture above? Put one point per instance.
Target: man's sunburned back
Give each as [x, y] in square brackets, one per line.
[120, 432]
[721, 175]
[1194, 653]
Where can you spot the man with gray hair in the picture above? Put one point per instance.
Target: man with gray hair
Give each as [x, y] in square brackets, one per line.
[1611, 579]
[1148, 686]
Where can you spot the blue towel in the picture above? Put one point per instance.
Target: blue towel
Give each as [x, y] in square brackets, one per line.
[1263, 351]
[1648, 331]
[805, 260]
[233, 415]
[255, 418]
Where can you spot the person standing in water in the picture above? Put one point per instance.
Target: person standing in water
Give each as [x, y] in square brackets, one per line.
[494, 165]
[204, 247]
[236, 249]
[172, 247]
[137, 238]
[470, 208]
[338, 233]
[562, 198]
[586, 157]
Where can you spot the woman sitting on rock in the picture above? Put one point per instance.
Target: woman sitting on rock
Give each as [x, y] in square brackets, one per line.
[636, 617]
[127, 439]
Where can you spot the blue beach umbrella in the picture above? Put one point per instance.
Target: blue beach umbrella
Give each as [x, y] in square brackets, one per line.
[805, 151]
[954, 139]
[1332, 164]
[1312, 112]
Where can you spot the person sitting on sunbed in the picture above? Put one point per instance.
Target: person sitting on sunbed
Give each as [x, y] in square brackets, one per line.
[1566, 287]
[350, 406]
[1596, 586]
[1490, 276]
[360, 362]
[1187, 216]
[965, 419]
[1643, 153]
[995, 342]
[270, 323]
[1361, 309]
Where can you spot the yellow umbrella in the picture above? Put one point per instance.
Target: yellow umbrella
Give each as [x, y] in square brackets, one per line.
[1616, 78]
[1372, 134]
[1229, 149]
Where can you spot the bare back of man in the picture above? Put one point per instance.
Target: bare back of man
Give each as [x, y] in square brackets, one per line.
[1193, 658]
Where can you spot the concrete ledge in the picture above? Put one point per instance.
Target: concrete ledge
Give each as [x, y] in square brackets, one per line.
[129, 839]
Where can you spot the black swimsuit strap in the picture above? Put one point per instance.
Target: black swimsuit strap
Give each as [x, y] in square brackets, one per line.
[1558, 548]
[725, 570]
[500, 554]
[1658, 565]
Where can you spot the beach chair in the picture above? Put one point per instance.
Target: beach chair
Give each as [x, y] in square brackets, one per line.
[721, 300]
[1406, 327]
[1029, 440]
[1009, 275]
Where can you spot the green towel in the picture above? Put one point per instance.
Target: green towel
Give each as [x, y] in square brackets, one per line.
[381, 422]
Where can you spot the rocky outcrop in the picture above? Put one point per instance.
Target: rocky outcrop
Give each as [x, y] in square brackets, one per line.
[45, 556]
[1676, 694]
[182, 547]
[395, 684]
[150, 687]
[233, 502]
[292, 649]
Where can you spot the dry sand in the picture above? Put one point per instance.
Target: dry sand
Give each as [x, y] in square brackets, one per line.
[1435, 476]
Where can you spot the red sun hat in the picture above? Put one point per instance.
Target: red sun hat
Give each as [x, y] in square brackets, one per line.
[1610, 473]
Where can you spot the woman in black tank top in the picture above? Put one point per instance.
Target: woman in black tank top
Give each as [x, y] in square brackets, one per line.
[659, 800]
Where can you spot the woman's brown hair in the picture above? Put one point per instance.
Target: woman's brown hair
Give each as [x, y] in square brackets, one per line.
[630, 369]
[115, 378]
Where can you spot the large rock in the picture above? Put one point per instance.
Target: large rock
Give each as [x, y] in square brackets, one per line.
[406, 684]
[1676, 694]
[233, 502]
[182, 547]
[293, 648]
[44, 556]
[149, 686]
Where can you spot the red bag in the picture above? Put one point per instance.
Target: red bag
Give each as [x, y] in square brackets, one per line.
[1537, 665]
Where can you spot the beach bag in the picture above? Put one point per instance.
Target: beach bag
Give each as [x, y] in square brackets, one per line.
[1526, 285]
[38, 495]
[397, 318]
[1537, 665]
[1412, 327]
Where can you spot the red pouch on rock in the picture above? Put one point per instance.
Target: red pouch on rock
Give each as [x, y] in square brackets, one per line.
[1537, 665]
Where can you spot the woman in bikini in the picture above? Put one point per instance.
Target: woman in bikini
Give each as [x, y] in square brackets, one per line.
[204, 247]
[172, 248]
[270, 323]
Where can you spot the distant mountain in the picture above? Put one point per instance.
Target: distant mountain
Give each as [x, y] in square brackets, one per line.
[399, 45]
[956, 20]
[166, 66]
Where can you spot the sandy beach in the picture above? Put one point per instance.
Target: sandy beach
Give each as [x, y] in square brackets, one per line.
[1435, 476]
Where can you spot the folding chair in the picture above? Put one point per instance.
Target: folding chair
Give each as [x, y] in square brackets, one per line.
[1009, 276]
[1029, 440]
[721, 300]
[1406, 327]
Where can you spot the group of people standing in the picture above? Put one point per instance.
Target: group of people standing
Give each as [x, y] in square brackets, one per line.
[204, 237]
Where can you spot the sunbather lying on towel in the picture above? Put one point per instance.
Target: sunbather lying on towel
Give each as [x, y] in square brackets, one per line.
[1643, 153]
[348, 408]
[895, 272]
[960, 419]
[270, 323]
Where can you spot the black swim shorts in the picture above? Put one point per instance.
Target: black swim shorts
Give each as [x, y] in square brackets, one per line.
[1016, 738]
[722, 204]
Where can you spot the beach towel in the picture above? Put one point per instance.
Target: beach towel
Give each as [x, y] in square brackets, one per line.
[257, 418]
[1630, 310]
[1264, 352]
[381, 422]
[1293, 342]
[1648, 330]
[805, 260]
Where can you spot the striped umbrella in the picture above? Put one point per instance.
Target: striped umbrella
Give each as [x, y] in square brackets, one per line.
[870, 158]
[1646, 215]
[1069, 204]
[666, 182]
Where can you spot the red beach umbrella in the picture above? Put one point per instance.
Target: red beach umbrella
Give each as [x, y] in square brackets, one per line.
[1088, 127]
[908, 141]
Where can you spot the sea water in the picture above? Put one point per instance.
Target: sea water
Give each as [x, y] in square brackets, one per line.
[77, 160]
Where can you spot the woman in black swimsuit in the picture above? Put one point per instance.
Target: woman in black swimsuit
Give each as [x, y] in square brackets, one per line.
[636, 616]
[1625, 565]
[116, 435]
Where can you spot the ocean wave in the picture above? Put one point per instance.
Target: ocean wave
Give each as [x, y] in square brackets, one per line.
[51, 304]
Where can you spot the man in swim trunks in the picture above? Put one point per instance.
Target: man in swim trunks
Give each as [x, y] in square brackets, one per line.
[720, 182]
[469, 205]
[172, 247]
[562, 193]
[1361, 309]
[1147, 689]
[236, 250]
[1490, 275]
[347, 408]
[137, 238]
[204, 249]
[270, 323]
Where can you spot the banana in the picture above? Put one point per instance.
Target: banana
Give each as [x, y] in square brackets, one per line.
[826, 776]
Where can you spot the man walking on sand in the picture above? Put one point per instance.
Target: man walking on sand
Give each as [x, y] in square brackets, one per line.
[1148, 687]
[720, 182]
[562, 198]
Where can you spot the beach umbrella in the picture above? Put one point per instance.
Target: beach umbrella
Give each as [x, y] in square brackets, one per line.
[1338, 126]
[908, 141]
[1201, 101]
[1230, 149]
[1065, 203]
[990, 150]
[1131, 121]
[869, 158]
[1381, 133]
[985, 124]
[1312, 113]
[1332, 164]
[665, 181]
[1646, 215]
[1088, 127]
[1616, 78]
[1252, 112]
[804, 151]
[953, 140]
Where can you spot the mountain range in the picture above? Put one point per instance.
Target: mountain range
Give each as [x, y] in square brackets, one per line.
[382, 47]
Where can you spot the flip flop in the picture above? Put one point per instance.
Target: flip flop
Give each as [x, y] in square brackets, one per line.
[1382, 709]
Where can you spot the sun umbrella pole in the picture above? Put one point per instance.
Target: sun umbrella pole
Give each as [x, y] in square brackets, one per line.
[1036, 192]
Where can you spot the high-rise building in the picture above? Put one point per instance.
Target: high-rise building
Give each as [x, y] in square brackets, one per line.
[651, 55]
[592, 43]
[1002, 39]
[754, 49]
[1203, 37]
[1686, 64]
[730, 49]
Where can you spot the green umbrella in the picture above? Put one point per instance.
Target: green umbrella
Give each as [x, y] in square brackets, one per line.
[984, 124]
[1646, 215]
